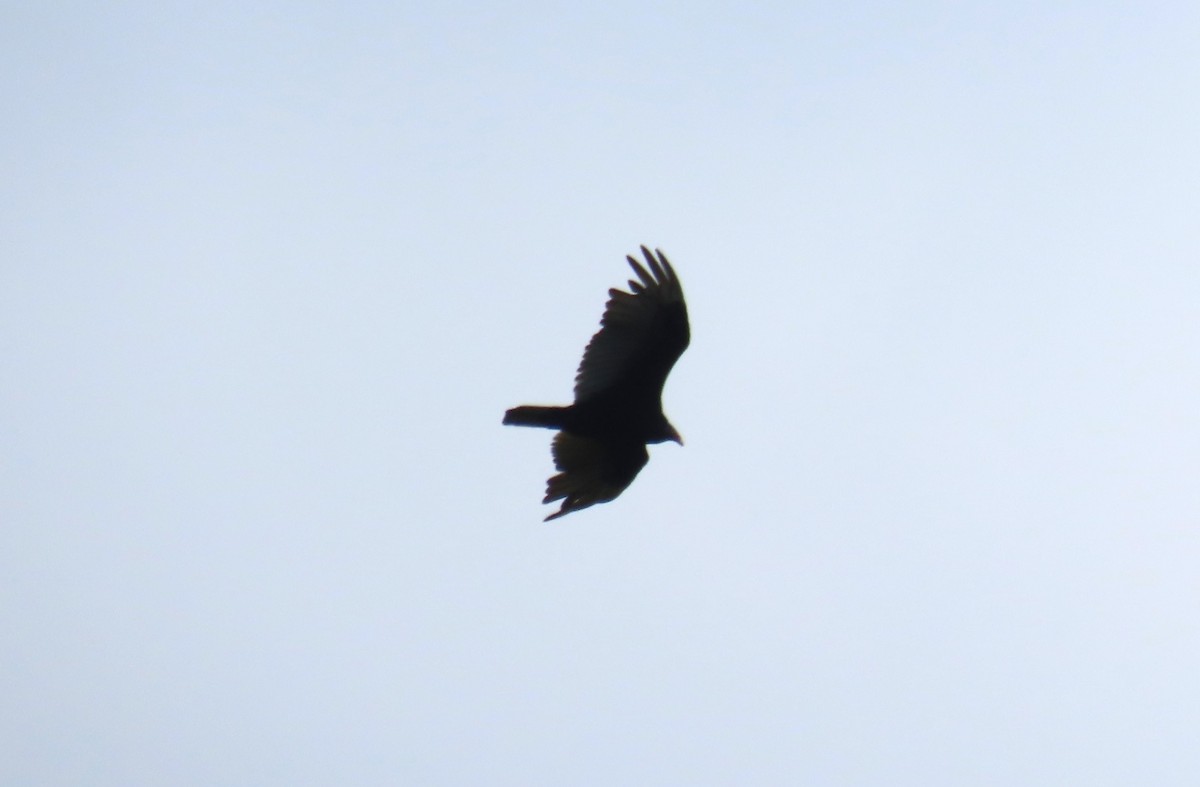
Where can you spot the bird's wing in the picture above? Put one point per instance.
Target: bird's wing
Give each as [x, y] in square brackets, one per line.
[642, 333]
[593, 471]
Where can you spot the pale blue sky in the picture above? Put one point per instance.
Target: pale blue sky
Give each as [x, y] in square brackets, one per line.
[270, 276]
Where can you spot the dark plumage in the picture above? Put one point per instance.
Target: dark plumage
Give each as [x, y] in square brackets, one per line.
[601, 444]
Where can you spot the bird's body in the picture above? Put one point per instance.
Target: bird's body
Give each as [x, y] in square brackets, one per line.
[601, 444]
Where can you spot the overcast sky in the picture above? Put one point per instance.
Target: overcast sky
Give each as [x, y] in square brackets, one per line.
[270, 274]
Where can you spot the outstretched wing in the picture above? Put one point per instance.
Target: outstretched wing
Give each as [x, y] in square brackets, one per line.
[642, 333]
[593, 471]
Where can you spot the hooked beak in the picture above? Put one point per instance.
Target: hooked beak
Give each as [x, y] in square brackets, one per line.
[675, 436]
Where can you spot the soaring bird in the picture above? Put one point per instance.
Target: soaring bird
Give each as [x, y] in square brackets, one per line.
[602, 438]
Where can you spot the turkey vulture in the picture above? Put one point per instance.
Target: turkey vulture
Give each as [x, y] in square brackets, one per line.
[602, 438]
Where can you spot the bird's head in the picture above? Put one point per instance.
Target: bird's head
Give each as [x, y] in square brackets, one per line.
[666, 432]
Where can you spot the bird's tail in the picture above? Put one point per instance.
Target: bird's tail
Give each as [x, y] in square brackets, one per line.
[534, 415]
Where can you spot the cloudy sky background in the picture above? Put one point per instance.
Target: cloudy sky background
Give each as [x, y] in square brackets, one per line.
[270, 275]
